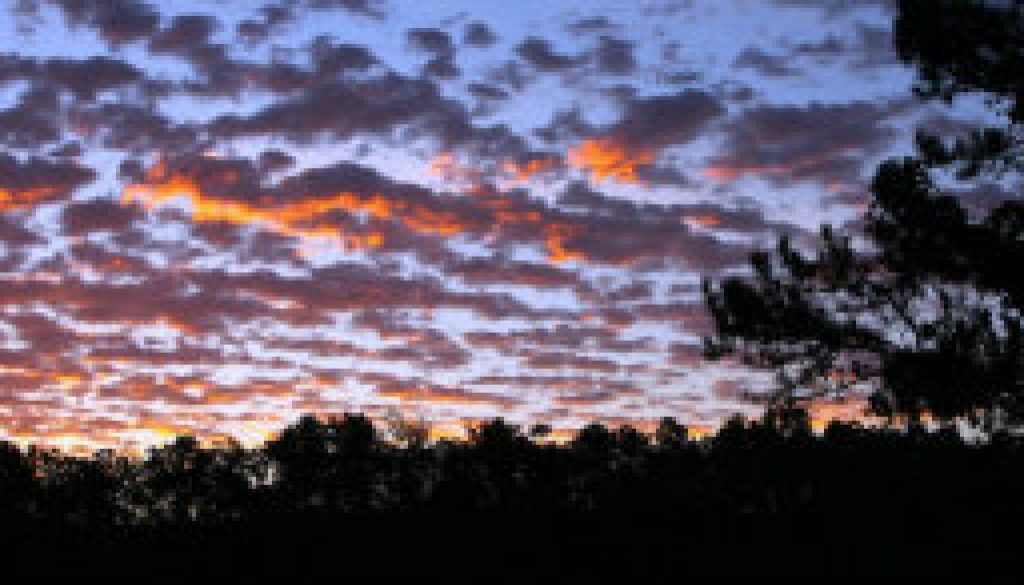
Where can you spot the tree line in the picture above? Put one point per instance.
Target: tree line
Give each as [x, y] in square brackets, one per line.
[336, 487]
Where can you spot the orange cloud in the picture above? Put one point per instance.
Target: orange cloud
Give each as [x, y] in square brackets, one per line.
[449, 169]
[522, 172]
[442, 395]
[296, 219]
[724, 173]
[18, 198]
[556, 237]
[702, 220]
[606, 158]
[731, 172]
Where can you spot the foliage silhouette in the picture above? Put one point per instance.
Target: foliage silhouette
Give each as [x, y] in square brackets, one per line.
[927, 311]
[333, 491]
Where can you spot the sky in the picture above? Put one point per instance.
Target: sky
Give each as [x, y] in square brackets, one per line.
[217, 215]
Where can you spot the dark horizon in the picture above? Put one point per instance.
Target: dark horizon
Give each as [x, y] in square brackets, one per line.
[502, 508]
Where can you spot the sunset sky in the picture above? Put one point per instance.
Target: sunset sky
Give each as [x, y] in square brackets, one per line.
[216, 215]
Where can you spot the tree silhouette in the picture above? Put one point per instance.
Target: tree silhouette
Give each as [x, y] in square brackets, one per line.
[929, 312]
[500, 499]
[327, 464]
[17, 488]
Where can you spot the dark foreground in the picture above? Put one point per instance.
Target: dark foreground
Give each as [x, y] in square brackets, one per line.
[761, 500]
[527, 548]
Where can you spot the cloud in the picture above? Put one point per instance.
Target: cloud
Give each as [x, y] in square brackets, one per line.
[370, 8]
[824, 143]
[566, 125]
[376, 106]
[686, 355]
[869, 49]
[642, 234]
[623, 150]
[134, 128]
[478, 34]
[570, 361]
[667, 120]
[829, 47]
[430, 40]
[386, 106]
[116, 21]
[563, 336]
[221, 75]
[541, 56]
[615, 56]
[344, 206]
[355, 208]
[273, 17]
[189, 36]
[331, 59]
[286, 219]
[442, 67]
[486, 91]
[80, 218]
[414, 391]
[503, 271]
[14, 237]
[766, 64]
[834, 8]
[83, 78]
[604, 158]
[874, 48]
[36, 180]
[591, 25]
[34, 121]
